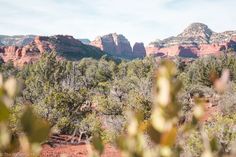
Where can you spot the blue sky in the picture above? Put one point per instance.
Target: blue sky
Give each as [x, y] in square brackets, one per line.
[138, 20]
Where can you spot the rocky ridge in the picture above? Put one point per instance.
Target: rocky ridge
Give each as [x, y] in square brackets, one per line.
[195, 41]
[66, 47]
[16, 40]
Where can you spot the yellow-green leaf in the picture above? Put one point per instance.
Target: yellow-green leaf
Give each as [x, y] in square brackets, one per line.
[35, 128]
[4, 112]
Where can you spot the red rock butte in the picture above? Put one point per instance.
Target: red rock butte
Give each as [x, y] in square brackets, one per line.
[114, 44]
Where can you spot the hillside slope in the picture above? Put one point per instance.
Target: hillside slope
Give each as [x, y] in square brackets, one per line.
[66, 47]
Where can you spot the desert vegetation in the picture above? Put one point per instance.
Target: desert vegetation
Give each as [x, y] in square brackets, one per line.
[146, 107]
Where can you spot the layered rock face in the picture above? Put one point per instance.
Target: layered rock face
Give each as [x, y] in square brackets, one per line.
[195, 41]
[66, 47]
[117, 45]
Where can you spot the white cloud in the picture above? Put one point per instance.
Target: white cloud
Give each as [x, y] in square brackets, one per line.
[138, 20]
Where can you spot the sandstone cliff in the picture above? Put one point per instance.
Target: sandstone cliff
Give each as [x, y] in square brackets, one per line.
[66, 47]
[114, 44]
[119, 46]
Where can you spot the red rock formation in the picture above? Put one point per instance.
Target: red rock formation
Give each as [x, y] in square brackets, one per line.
[18, 55]
[139, 50]
[113, 44]
[211, 49]
[197, 40]
[98, 43]
[151, 49]
[65, 46]
[192, 51]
